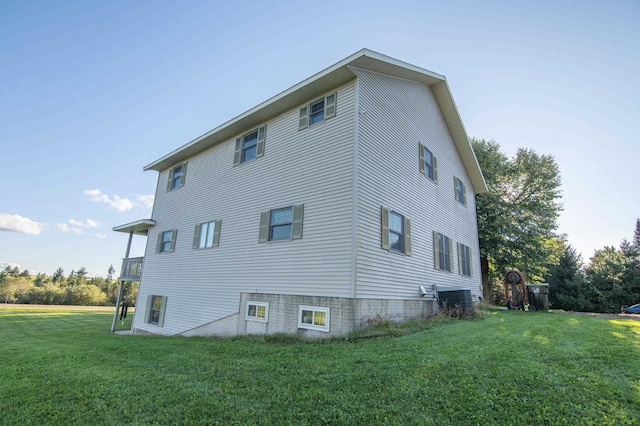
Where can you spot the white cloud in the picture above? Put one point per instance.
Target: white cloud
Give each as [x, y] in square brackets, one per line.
[115, 202]
[145, 200]
[87, 224]
[67, 229]
[4, 264]
[22, 225]
[101, 236]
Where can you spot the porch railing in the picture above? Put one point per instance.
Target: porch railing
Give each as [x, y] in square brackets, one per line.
[131, 269]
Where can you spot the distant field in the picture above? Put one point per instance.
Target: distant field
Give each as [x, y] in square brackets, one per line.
[64, 367]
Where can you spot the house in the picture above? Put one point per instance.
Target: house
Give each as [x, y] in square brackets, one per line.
[345, 199]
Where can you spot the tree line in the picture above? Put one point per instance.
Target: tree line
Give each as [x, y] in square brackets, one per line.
[517, 229]
[76, 288]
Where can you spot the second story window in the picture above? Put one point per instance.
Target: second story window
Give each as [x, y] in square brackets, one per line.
[177, 176]
[317, 111]
[281, 224]
[460, 191]
[428, 163]
[166, 241]
[207, 234]
[396, 231]
[250, 146]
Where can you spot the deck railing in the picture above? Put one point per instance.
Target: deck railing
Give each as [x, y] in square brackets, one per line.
[131, 269]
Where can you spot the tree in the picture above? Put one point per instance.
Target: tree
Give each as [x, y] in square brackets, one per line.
[568, 287]
[110, 272]
[606, 272]
[58, 275]
[517, 218]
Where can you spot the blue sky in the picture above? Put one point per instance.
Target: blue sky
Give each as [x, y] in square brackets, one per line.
[90, 92]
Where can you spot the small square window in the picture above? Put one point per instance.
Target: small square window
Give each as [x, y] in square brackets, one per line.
[258, 311]
[313, 318]
[317, 111]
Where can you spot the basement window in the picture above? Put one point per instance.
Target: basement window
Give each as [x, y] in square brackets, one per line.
[257, 311]
[314, 318]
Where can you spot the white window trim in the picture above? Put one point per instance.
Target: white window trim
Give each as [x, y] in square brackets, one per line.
[163, 306]
[256, 318]
[314, 309]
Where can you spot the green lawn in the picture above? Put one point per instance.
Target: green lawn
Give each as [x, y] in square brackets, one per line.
[63, 367]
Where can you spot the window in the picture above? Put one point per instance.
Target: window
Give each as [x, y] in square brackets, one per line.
[207, 234]
[281, 224]
[313, 318]
[464, 260]
[155, 310]
[250, 146]
[257, 311]
[428, 163]
[317, 111]
[176, 177]
[395, 232]
[166, 241]
[460, 191]
[442, 248]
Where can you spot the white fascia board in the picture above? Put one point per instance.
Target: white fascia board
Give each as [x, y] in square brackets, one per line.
[138, 227]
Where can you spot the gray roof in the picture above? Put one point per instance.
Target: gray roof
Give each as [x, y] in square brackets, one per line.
[322, 82]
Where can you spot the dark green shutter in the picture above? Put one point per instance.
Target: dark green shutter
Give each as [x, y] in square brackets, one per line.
[384, 228]
[196, 236]
[464, 193]
[216, 233]
[147, 310]
[407, 236]
[455, 188]
[435, 168]
[238, 153]
[262, 133]
[174, 237]
[264, 227]
[459, 248]
[296, 228]
[422, 169]
[436, 253]
[163, 307]
[159, 242]
[183, 176]
[330, 106]
[450, 254]
[304, 118]
[170, 179]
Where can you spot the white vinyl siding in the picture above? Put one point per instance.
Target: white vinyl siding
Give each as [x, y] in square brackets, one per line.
[319, 263]
[402, 117]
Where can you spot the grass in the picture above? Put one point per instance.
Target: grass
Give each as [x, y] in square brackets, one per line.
[63, 367]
